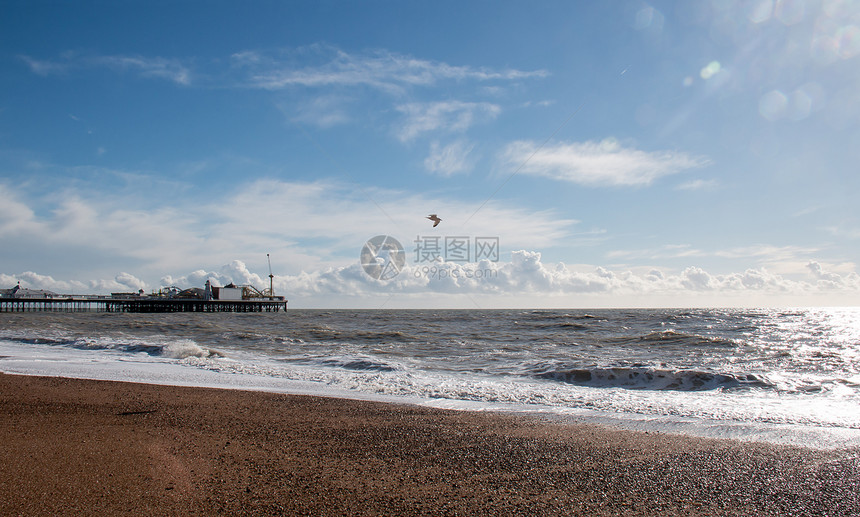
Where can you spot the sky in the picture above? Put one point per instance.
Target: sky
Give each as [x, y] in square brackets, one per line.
[579, 154]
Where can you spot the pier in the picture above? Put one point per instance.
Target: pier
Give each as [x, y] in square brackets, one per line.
[147, 305]
[230, 298]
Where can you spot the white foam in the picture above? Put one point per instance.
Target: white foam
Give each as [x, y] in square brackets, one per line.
[755, 416]
[81, 364]
[182, 348]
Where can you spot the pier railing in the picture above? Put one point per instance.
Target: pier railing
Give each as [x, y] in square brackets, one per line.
[105, 304]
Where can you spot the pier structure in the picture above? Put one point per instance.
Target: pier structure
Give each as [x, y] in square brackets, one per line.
[230, 298]
[150, 305]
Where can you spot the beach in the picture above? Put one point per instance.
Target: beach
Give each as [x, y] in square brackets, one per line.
[81, 447]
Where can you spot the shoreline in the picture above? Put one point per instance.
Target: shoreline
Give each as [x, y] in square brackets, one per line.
[72, 446]
[798, 435]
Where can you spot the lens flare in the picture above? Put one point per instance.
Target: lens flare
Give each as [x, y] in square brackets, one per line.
[848, 39]
[790, 12]
[772, 105]
[761, 11]
[712, 69]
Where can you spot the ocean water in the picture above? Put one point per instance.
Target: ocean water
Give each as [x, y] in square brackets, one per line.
[785, 376]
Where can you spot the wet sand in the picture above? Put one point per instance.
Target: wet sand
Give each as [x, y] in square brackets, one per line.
[75, 447]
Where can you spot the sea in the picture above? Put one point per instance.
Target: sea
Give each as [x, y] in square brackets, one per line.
[786, 376]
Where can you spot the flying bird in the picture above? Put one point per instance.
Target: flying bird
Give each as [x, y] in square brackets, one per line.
[435, 219]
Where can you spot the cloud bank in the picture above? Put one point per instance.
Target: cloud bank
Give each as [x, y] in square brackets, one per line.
[122, 282]
[523, 276]
[264, 216]
[525, 273]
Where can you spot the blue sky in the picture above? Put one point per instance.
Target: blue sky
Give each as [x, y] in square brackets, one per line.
[622, 153]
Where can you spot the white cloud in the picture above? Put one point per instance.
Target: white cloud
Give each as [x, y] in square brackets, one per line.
[667, 251]
[604, 163]
[507, 283]
[763, 253]
[265, 216]
[158, 67]
[450, 116]
[290, 210]
[129, 280]
[31, 280]
[322, 111]
[844, 232]
[324, 69]
[829, 280]
[235, 272]
[315, 253]
[45, 68]
[775, 257]
[314, 66]
[698, 185]
[383, 70]
[526, 275]
[806, 211]
[450, 159]
[540, 104]
[697, 279]
[786, 260]
[16, 217]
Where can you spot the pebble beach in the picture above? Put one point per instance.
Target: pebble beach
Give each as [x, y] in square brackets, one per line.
[87, 447]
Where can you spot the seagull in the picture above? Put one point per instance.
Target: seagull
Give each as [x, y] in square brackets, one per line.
[435, 219]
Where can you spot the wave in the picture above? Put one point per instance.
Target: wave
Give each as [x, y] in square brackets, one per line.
[183, 348]
[673, 338]
[391, 335]
[359, 364]
[553, 315]
[39, 340]
[561, 326]
[175, 349]
[354, 363]
[327, 334]
[644, 378]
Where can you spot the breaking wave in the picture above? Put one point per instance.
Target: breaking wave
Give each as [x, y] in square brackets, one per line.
[172, 349]
[644, 378]
[354, 363]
